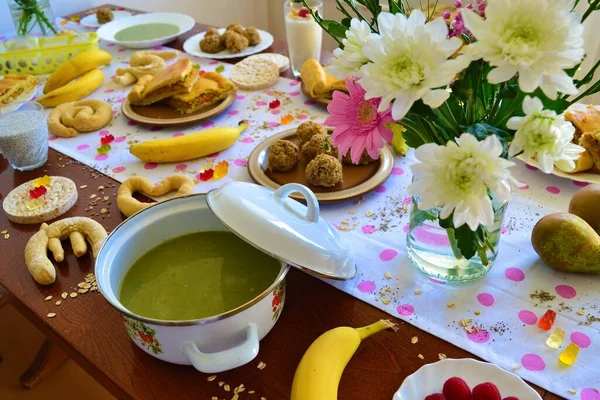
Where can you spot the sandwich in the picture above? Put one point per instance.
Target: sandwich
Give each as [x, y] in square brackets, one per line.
[209, 90]
[14, 85]
[318, 83]
[177, 78]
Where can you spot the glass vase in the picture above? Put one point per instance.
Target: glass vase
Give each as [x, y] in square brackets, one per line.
[32, 17]
[433, 250]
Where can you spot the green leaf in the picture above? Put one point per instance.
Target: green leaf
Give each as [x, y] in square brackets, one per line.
[334, 28]
[346, 22]
[482, 131]
[418, 217]
[467, 241]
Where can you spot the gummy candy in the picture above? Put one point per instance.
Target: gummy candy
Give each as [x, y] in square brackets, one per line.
[206, 175]
[274, 104]
[201, 72]
[547, 320]
[220, 69]
[303, 13]
[104, 149]
[556, 338]
[43, 181]
[34, 204]
[569, 355]
[286, 119]
[221, 170]
[37, 192]
[107, 139]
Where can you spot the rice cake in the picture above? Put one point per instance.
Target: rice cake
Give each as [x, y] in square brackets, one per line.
[283, 63]
[254, 74]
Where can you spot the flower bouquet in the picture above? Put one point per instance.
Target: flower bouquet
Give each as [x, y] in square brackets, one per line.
[472, 89]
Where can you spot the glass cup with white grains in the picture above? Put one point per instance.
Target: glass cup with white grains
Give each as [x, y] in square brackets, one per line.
[304, 36]
[24, 135]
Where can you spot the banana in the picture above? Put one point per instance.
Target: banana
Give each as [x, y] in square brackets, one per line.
[75, 67]
[75, 90]
[189, 146]
[398, 142]
[320, 370]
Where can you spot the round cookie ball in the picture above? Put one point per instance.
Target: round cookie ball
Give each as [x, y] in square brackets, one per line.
[324, 171]
[319, 144]
[236, 43]
[211, 32]
[306, 130]
[252, 35]
[365, 159]
[283, 156]
[211, 44]
[236, 27]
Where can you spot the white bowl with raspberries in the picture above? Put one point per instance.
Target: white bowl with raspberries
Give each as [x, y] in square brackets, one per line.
[464, 379]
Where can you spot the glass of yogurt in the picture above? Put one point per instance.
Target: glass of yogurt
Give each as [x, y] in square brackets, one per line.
[24, 135]
[303, 34]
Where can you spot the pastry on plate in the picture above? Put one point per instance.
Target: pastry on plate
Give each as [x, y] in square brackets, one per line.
[318, 83]
[209, 89]
[13, 85]
[591, 142]
[584, 119]
[177, 78]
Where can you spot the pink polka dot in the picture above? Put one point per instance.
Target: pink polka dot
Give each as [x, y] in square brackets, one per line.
[150, 165]
[233, 112]
[380, 189]
[479, 336]
[269, 92]
[407, 200]
[388, 254]
[523, 186]
[590, 394]
[533, 362]
[108, 91]
[213, 62]
[101, 157]
[103, 133]
[486, 299]
[83, 147]
[531, 167]
[366, 286]
[261, 103]
[275, 112]
[514, 274]
[248, 139]
[240, 97]
[397, 171]
[156, 128]
[309, 102]
[273, 124]
[213, 155]
[431, 236]
[207, 124]
[177, 134]
[436, 281]
[566, 291]
[111, 45]
[121, 50]
[294, 94]
[120, 139]
[368, 229]
[52, 138]
[294, 83]
[116, 170]
[527, 317]
[503, 230]
[581, 339]
[132, 123]
[2, 37]
[405, 228]
[405, 310]
[302, 116]
[120, 99]
[580, 184]
[553, 189]
[181, 167]
[240, 163]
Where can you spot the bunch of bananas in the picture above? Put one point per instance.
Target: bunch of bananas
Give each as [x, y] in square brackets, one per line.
[63, 86]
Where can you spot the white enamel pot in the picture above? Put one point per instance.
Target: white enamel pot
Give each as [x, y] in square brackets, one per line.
[212, 344]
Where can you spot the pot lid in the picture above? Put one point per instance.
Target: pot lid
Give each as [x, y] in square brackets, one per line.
[284, 228]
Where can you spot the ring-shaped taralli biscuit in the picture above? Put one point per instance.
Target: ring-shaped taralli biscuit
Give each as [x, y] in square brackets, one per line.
[129, 206]
[49, 237]
[66, 120]
[143, 63]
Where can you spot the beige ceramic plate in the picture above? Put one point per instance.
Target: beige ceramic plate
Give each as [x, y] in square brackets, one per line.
[586, 176]
[163, 114]
[358, 179]
[323, 102]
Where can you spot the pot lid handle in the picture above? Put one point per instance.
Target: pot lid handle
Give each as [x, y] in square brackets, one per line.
[312, 213]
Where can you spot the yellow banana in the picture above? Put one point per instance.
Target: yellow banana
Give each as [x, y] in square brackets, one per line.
[75, 90]
[189, 146]
[320, 370]
[75, 67]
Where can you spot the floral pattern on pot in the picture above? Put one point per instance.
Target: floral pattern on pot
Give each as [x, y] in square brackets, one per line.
[278, 300]
[145, 336]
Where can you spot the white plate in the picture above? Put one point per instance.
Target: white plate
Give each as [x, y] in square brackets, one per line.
[25, 96]
[430, 378]
[90, 21]
[584, 176]
[184, 22]
[192, 46]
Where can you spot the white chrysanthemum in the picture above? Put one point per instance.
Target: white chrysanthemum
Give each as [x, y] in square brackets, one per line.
[409, 61]
[348, 61]
[538, 39]
[457, 178]
[544, 136]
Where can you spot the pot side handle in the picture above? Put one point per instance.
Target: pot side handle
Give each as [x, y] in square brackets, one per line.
[312, 204]
[227, 359]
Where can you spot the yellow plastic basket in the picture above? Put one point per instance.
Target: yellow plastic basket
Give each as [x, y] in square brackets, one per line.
[43, 55]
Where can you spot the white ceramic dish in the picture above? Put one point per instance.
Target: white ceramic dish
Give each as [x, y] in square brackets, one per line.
[90, 21]
[192, 46]
[184, 22]
[430, 378]
[584, 176]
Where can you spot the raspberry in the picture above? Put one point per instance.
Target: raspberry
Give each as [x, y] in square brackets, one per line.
[511, 398]
[486, 391]
[456, 389]
[436, 396]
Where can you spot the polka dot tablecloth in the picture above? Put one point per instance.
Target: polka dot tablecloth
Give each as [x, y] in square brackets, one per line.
[494, 318]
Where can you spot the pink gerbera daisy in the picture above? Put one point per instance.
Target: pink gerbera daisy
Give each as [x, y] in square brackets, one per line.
[356, 123]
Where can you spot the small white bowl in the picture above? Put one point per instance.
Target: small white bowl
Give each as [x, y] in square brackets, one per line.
[430, 379]
[108, 31]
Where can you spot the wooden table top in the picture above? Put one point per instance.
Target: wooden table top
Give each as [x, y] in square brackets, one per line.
[93, 335]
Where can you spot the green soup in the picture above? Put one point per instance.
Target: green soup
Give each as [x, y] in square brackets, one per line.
[197, 275]
[150, 31]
